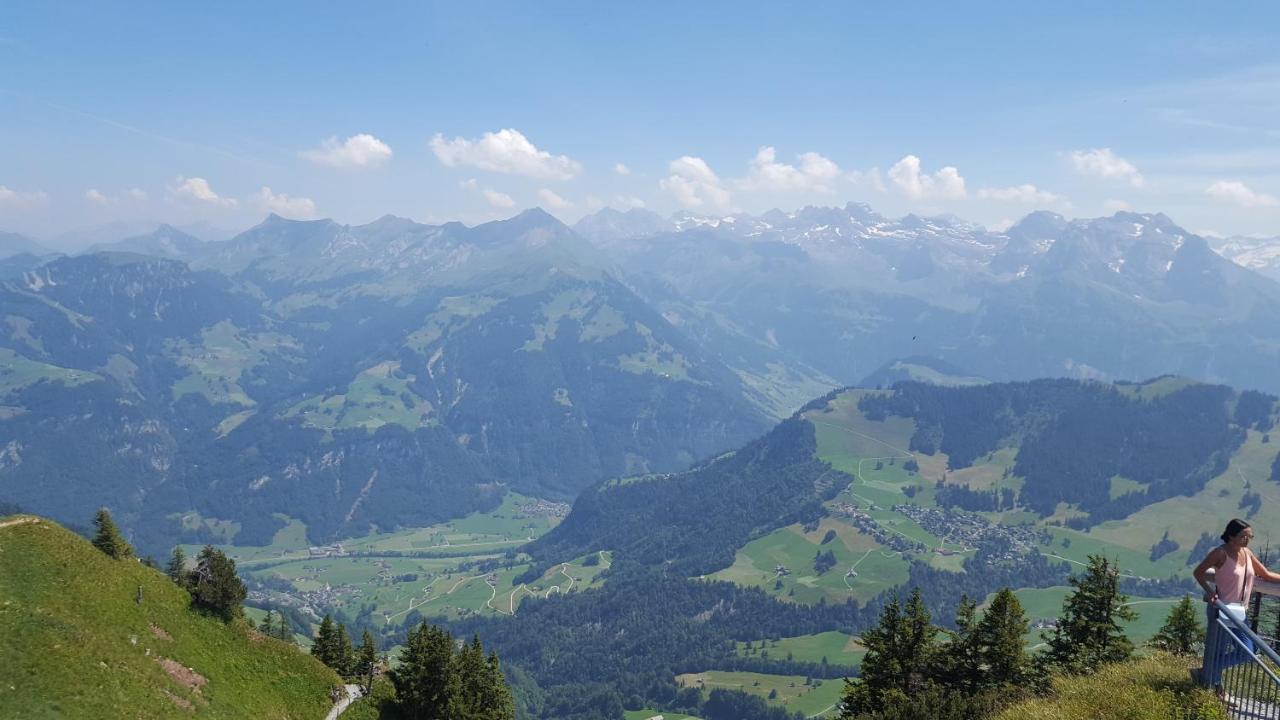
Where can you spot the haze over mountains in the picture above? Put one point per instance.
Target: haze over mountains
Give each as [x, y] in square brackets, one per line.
[397, 373]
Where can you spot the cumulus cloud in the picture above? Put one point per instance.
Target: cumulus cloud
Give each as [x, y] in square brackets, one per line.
[96, 198]
[1237, 193]
[813, 172]
[491, 196]
[506, 151]
[21, 200]
[945, 183]
[622, 169]
[281, 204]
[869, 179]
[1025, 193]
[693, 184]
[357, 151]
[552, 200]
[198, 189]
[1102, 162]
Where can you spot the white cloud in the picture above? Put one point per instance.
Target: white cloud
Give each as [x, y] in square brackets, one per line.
[1115, 206]
[622, 169]
[1025, 193]
[552, 200]
[21, 200]
[945, 183]
[1235, 192]
[506, 151]
[491, 196]
[294, 207]
[628, 202]
[813, 173]
[497, 199]
[357, 151]
[137, 194]
[198, 189]
[1001, 225]
[693, 184]
[96, 198]
[1102, 162]
[870, 179]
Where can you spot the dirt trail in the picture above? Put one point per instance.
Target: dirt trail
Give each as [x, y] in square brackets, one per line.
[19, 521]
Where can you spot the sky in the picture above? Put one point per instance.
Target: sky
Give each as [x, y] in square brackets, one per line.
[145, 112]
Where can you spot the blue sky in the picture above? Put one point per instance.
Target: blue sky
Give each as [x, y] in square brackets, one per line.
[168, 112]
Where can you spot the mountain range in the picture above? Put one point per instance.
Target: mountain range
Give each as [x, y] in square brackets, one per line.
[396, 373]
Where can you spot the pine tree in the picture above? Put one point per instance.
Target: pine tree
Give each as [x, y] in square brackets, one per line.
[366, 661]
[215, 587]
[344, 654]
[284, 628]
[177, 568]
[322, 645]
[900, 655]
[960, 663]
[267, 626]
[1181, 633]
[108, 538]
[1089, 633]
[999, 641]
[424, 680]
[471, 678]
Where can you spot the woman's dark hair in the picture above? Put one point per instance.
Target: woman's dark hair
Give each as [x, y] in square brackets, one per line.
[1234, 528]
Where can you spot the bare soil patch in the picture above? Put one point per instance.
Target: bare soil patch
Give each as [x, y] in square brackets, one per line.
[188, 678]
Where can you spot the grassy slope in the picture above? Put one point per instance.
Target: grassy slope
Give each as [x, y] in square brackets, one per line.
[78, 645]
[1153, 687]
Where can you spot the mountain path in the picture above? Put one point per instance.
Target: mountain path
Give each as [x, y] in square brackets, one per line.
[354, 692]
[19, 521]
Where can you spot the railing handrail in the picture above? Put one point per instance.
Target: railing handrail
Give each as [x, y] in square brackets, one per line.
[1260, 586]
[1227, 618]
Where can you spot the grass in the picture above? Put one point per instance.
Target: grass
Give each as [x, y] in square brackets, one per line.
[18, 372]
[77, 644]
[378, 396]
[838, 648]
[1046, 603]
[442, 589]
[792, 693]
[214, 365]
[878, 569]
[1156, 687]
[647, 714]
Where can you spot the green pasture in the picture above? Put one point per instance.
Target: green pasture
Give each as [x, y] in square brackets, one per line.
[648, 714]
[754, 565]
[838, 648]
[18, 372]
[378, 396]
[792, 693]
[1046, 603]
[215, 364]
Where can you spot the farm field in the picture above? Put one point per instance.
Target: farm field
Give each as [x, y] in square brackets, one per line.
[757, 563]
[433, 571]
[838, 648]
[1045, 603]
[819, 699]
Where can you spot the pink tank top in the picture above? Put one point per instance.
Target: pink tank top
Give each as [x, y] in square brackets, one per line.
[1235, 579]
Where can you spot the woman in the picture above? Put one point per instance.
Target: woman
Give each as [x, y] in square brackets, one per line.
[1235, 568]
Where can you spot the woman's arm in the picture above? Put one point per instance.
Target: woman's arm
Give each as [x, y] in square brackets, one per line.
[1201, 573]
[1261, 570]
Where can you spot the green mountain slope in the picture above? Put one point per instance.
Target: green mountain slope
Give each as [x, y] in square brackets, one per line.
[78, 644]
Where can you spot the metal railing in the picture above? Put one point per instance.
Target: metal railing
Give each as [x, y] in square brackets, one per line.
[1241, 664]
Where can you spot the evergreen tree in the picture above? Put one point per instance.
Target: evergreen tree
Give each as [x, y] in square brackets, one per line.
[344, 654]
[215, 587]
[999, 642]
[108, 538]
[325, 641]
[177, 568]
[1181, 633]
[960, 662]
[267, 626]
[424, 679]
[900, 655]
[1089, 632]
[366, 661]
[284, 628]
